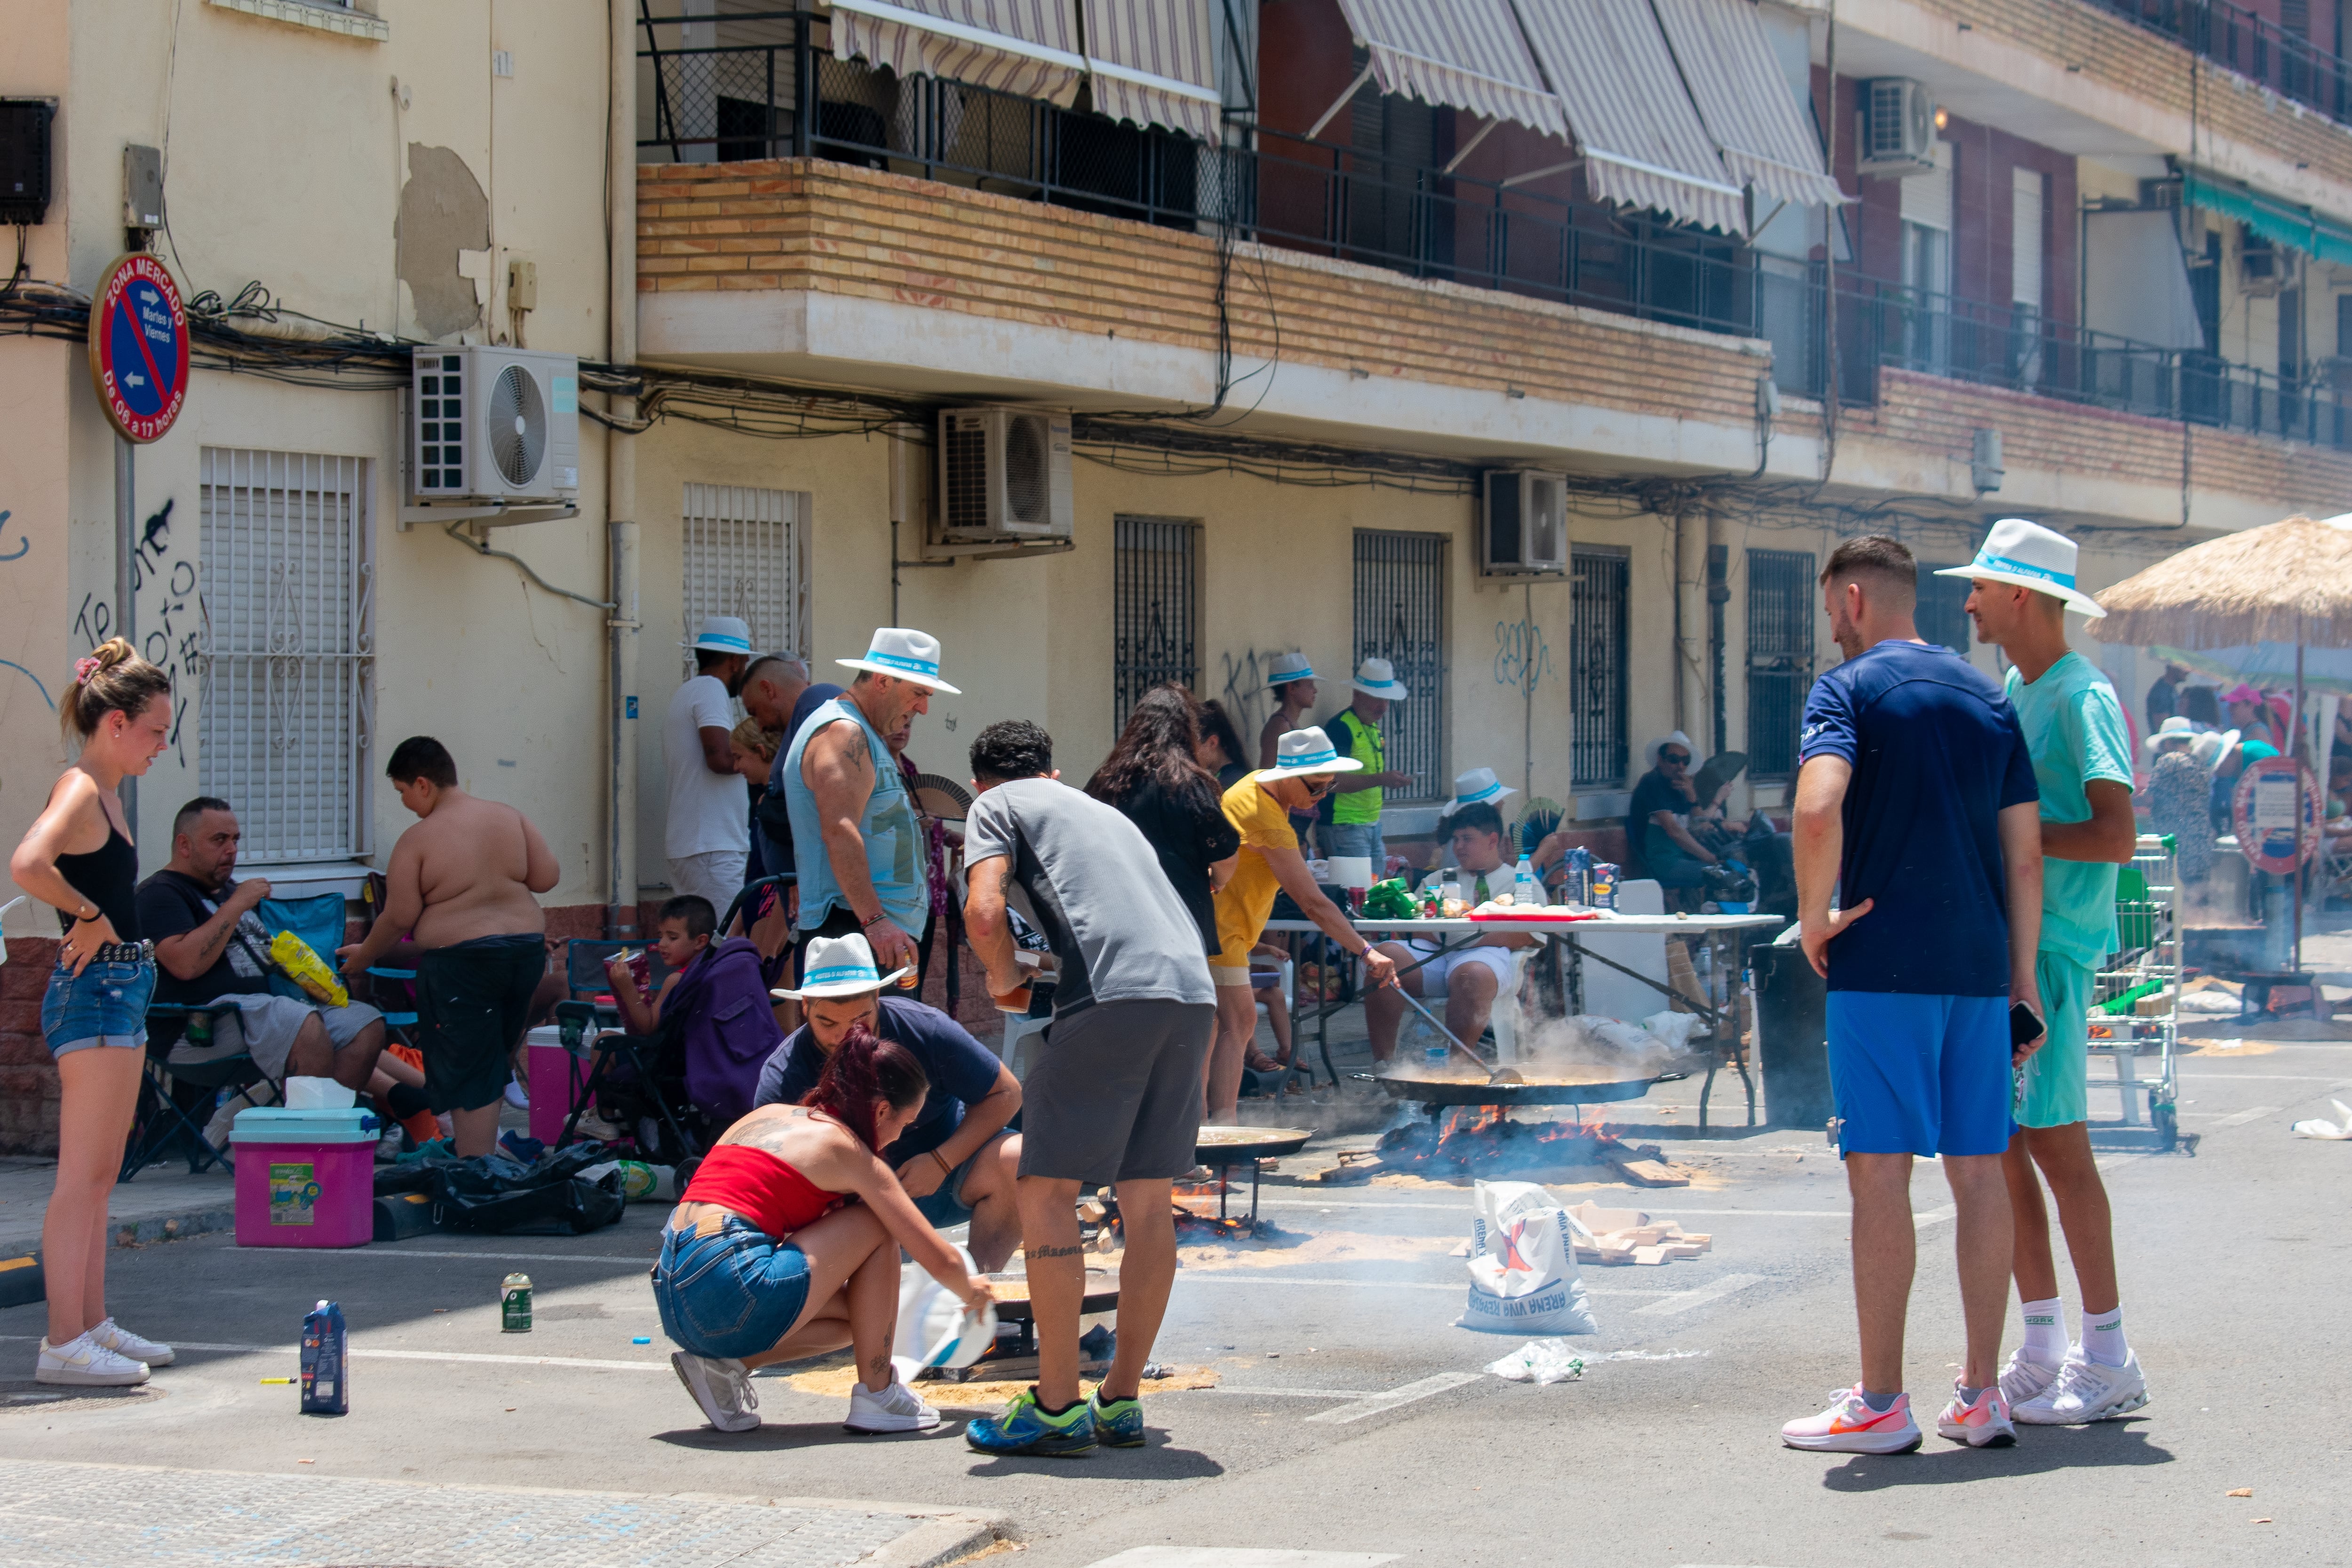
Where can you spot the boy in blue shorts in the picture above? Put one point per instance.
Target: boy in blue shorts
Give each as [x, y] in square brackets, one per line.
[1915, 797]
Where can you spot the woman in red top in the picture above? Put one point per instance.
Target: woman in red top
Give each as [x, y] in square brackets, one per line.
[786, 1244]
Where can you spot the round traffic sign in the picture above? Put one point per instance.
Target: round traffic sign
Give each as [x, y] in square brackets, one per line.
[2275, 810]
[138, 346]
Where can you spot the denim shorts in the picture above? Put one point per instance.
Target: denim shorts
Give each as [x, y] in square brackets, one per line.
[105, 1005]
[731, 1293]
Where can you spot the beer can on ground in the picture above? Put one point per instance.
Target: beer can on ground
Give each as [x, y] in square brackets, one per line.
[514, 1304]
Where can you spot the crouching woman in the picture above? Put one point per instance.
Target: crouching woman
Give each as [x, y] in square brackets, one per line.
[786, 1244]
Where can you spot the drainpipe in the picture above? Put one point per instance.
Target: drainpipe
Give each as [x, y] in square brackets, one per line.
[1690, 617]
[621, 475]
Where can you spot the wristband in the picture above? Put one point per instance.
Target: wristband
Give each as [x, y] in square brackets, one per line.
[877, 920]
[945, 1169]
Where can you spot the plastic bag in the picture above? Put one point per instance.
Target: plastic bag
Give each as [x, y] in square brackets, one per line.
[1523, 1265]
[1389, 900]
[306, 969]
[1539, 1362]
[933, 1320]
[1675, 1029]
[318, 1094]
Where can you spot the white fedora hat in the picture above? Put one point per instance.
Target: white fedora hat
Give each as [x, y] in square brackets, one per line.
[1377, 678]
[2028, 556]
[839, 966]
[1287, 668]
[1473, 788]
[1306, 751]
[906, 653]
[2173, 729]
[723, 634]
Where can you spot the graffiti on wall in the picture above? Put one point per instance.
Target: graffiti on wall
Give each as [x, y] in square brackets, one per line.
[1522, 658]
[171, 620]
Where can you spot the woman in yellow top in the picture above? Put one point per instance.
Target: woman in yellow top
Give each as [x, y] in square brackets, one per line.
[1259, 805]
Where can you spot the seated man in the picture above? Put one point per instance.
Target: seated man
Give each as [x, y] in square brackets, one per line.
[1472, 977]
[714, 1002]
[1658, 830]
[955, 1159]
[211, 947]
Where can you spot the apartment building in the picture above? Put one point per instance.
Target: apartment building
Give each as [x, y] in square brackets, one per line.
[1248, 318]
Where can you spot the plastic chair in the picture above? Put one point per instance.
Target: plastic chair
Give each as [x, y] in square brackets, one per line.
[317, 920]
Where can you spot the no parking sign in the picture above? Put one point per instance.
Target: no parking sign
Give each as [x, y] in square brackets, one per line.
[2275, 810]
[139, 347]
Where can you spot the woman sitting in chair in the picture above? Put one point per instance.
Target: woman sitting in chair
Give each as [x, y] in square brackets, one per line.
[768, 1258]
[713, 1008]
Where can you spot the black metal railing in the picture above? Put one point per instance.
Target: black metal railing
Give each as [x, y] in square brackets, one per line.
[784, 95]
[2286, 62]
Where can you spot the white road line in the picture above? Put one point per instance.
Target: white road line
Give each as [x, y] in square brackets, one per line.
[1239, 1278]
[395, 1250]
[1684, 1300]
[1378, 1402]
[2254, 1078]
[1239, 1557]
[2252, 1113]
[364, 1352]
[1654, 1213]
[1934, 1216]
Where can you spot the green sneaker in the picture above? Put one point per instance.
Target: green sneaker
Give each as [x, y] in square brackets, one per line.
[1023, 1428]
[1118, 1423]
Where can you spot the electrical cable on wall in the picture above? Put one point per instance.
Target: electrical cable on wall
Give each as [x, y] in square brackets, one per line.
[480, 547]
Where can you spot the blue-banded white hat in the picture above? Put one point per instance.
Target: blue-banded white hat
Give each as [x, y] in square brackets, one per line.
[1477, 787]
[906, 653]
[723, 634]
[1302, 754]
[1377, 678]
[2027, 555]
[1287, 668]
[839, 966]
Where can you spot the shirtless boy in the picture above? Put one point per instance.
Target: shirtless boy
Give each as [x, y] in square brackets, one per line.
[462, 883]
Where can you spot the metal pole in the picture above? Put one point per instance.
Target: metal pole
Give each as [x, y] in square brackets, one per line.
[2295, 745]
[126, 571]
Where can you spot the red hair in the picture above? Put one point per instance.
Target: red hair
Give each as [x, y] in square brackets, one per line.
[863, 1069]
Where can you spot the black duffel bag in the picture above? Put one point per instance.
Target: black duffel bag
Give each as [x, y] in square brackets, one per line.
[496, 1195]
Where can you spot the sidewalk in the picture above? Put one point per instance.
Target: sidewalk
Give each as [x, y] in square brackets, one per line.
[164, 1202]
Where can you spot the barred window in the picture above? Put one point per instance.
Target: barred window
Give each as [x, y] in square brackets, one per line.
[289, 581]
[1596, 666]
[1780, 612]
[1400, 618]
[1942, 616]
[1154, 609]
[746, 555]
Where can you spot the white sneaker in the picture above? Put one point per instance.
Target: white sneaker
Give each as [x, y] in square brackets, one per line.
[723, 1389]
[2025, 1377]
[2086, 1392]
[131, 1346]
[517, 1095]
[83, 1363]
[1851, 1426]
[897, 1408]
[1985, 1424]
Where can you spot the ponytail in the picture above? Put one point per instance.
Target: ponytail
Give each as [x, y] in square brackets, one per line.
[112, 677]
[861, 1070]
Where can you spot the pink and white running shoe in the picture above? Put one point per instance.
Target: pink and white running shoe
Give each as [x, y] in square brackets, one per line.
[1982, 1425]
[1851, 1426]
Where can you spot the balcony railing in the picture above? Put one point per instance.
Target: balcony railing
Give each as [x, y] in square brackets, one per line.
[2253, 45]
[788, 97]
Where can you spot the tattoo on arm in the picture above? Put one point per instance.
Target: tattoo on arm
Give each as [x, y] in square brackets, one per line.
[855, 752]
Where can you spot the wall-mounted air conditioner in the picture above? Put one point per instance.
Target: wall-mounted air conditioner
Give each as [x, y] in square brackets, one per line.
[1005, 473]
[2263, 269]
[493, 425]
[1898, 127]
[1524, 524]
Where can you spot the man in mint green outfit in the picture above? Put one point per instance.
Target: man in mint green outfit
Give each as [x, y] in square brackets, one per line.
[2022, 585]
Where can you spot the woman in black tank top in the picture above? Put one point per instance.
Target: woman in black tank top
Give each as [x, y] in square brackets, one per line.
[78, 857]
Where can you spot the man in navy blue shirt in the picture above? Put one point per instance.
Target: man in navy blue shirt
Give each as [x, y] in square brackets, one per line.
[1915, 797]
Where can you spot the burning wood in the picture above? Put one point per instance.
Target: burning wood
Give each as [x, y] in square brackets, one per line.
[1486, 1140]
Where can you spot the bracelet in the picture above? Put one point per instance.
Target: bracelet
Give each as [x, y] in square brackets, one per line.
[945, 1169]
[869, 925]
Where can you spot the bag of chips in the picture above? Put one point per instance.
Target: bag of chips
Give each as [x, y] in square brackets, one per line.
[306, 969]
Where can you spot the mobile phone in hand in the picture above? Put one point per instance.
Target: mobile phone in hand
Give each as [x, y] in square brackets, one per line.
[2023, 1026]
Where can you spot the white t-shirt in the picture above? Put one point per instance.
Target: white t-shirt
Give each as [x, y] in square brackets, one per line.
[707, 811]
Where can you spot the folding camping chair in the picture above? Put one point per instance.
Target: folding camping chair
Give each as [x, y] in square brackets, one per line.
[639, 1076]
[168, 1117]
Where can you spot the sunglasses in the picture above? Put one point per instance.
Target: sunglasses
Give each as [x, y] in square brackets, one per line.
[1318, 789]
[1681, 759]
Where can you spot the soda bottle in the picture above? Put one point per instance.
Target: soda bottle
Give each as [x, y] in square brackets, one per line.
[326, 1387]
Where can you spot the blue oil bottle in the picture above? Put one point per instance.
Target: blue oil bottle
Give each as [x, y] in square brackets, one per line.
[326, 1386]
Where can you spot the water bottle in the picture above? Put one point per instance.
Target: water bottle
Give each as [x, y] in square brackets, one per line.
[1525, 889]
[326, 1388]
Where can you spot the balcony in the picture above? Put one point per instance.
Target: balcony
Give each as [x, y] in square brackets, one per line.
[2255, 46]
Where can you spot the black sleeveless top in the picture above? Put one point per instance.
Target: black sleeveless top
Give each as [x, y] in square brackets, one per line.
[109, 878]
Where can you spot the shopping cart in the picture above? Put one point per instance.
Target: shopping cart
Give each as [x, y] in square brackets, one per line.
[2136, 1010]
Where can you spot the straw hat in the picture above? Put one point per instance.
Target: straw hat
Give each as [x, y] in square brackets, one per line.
[839, 966]
[1473, 788]
[2173, 729]
[723, 634]
[2208, 749]
[1304, 753]
[1377, 678]
[2027, 555]
[1287, 668]
[2223, 744]
[906, 653]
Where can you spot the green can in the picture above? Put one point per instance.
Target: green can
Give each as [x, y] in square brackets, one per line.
[514, 1304]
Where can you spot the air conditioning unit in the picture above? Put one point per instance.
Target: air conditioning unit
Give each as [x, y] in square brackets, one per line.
[1526, 532]
[1005, 473]
[2263, 269]
[491, 425]
[1898, 127]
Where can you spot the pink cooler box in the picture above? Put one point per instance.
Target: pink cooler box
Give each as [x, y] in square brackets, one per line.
[554, 1076]
[304, 1178]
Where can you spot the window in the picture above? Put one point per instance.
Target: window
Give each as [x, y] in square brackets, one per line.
[1596, 666]
[1940, 617]
[287, 580]
[1780, 657]
[1154, 619]
[1400, 618]
[745, 555]
[2025, 229]
[1926, 239]
[1395, 138]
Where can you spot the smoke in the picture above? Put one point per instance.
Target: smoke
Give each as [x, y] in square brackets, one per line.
[1588, 1045]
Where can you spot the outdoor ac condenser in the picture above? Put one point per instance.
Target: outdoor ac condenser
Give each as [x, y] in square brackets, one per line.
[1526, 532]
[1898, 127]
[492, 424]
[1005, 473]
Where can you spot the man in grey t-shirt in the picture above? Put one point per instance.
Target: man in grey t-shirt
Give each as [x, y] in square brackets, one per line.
[1116, 1095]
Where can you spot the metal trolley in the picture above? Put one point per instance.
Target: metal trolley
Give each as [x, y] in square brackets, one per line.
[2136, 1003]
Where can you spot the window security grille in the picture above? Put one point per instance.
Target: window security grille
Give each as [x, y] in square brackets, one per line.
[1941, 620]
[745, 554]
[1154, 610]
[1780, 657]
[1597, 667]
[289, 581]
[1400, 618]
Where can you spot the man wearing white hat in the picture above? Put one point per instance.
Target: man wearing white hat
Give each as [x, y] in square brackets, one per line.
[1352, 817]
[844, 792]
[1474, 977]
[2022, 585]
[709, 832]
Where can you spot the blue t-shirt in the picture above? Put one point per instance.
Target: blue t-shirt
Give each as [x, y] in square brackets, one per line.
[960, 1069]
[1937, 756]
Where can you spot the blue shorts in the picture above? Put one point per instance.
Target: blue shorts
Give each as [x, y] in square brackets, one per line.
[1920, 1074]
[730, 1294]
[105, 1005]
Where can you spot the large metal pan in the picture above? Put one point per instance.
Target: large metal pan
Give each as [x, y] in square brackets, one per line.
[1220, 1146]
[1439, 1092]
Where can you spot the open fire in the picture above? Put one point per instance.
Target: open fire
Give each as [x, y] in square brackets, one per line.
[1485, 1141]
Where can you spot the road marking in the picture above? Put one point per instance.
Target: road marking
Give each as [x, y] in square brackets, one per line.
[1378, 1402]
[1595, 1359]
[1239, 1557]
[369, 1353]
[2254, 1078]
[1657, 1213]
[1684, 1301]
[1934, 1216]
[395, 1250]
[1238, 1277]
[2252, 1113]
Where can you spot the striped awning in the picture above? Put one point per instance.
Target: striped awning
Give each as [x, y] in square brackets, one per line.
[1154, 63]
[1463, 53]
[1028, 47]
[1641, 140]
[1767, 139]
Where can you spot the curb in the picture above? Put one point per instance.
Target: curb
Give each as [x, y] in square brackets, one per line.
[173, 1227]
